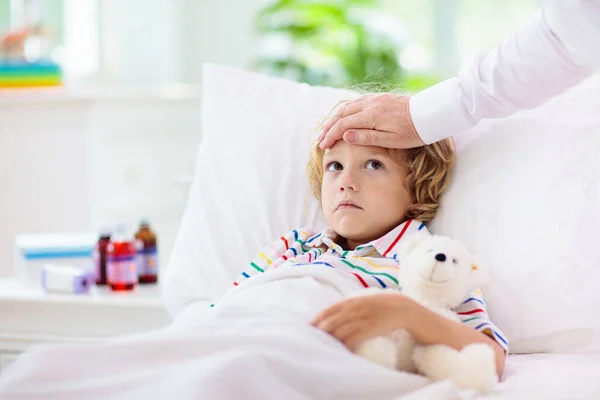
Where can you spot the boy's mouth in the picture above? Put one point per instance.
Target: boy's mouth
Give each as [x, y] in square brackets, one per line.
[347, 205]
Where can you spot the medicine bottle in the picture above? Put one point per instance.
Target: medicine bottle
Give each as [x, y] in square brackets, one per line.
[147, 261]
[121, 268]
[100, 256]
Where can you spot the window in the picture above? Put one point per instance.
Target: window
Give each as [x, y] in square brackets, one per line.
[163, 41]
[442, 33]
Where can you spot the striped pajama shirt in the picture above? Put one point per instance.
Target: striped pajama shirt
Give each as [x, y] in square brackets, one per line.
[374, 264]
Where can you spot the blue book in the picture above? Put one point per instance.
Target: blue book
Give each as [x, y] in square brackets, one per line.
[16, 68]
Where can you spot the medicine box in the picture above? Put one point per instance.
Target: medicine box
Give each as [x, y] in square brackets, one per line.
[33, 251]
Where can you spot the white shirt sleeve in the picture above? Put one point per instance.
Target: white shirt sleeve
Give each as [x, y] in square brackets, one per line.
[556, 50]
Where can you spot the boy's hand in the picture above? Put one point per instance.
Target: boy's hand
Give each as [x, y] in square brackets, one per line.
[354, 320]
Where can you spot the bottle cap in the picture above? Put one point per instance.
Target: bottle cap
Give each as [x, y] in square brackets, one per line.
[106, 230]
[120, 231]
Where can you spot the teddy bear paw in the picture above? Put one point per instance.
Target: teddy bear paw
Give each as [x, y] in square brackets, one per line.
[380, 350]
[475, 368]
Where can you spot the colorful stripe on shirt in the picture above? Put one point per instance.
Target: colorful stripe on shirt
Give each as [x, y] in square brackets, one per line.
[473, 313]
[374, 264]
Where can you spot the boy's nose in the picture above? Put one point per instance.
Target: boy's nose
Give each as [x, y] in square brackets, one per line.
[349, 186]
[348, 182]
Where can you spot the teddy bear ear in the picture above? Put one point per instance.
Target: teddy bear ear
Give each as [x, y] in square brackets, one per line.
[410, 244]
[479, 272]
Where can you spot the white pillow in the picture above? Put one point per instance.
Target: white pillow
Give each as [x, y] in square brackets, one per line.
[526, 195]
[250, 185]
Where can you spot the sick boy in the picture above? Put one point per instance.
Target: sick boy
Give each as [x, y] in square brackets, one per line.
[372, 198]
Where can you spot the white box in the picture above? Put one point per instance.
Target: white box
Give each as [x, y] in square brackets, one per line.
[33, 251]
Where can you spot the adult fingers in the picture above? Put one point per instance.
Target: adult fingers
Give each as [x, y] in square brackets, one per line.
[392, 140]
[370, 137]
[346, 109]
[360, 120]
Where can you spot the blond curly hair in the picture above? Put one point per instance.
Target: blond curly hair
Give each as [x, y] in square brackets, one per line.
[428, 175]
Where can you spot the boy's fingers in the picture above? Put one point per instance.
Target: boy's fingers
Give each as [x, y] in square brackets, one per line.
[332, 323]
[323, 315]
[345, 331]
[357, 337]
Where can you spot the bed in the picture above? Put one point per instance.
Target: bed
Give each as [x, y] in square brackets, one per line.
[525, 195]
[257, 358]
[549, 376]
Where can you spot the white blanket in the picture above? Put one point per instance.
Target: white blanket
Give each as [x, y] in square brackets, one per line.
[256, 343]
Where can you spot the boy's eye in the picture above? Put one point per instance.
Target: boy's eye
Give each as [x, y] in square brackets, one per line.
[374, 164]
[334, 166]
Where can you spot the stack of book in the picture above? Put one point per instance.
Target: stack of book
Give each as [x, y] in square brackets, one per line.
[27, 75]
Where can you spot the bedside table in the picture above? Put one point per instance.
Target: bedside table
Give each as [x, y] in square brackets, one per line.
[30, 316]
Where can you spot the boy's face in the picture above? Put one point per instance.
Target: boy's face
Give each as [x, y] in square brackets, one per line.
[372, 183]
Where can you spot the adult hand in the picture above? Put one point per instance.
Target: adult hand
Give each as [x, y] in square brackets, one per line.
[357, 319]
[377, 120]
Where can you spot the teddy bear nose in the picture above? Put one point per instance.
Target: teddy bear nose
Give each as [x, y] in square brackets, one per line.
[440, 257]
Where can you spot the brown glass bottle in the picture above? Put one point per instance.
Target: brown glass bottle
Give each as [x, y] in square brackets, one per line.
[147, 260]
[100, 257]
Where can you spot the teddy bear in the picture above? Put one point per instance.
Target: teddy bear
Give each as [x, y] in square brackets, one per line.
[438, 273]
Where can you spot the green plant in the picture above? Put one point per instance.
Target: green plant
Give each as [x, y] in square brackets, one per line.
[334, 43]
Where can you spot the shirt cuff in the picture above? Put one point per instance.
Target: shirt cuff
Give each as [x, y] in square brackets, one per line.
[437, 114]
[495, 334]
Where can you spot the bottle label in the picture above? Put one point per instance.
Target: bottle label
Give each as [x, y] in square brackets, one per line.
[147, 262]
[121, 270]
[96, 263]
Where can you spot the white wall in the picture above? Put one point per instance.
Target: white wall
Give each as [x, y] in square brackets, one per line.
[220, 31]
[73, 163]
[142, 154]
[70, 164]
[141, 41]
[43, 170]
